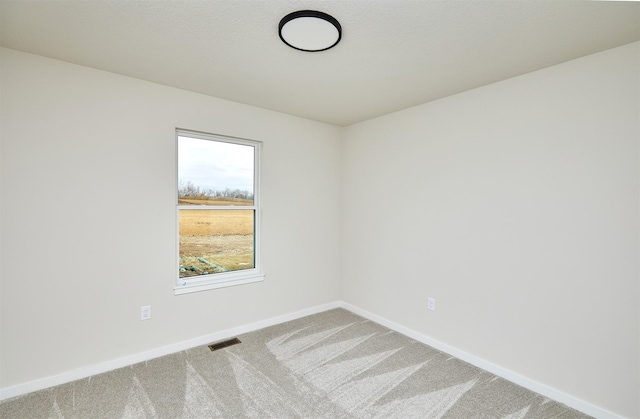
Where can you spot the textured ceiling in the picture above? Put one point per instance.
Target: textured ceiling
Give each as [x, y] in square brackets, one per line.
[394, 53]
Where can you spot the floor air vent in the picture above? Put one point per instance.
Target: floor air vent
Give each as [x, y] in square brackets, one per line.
[224, 344]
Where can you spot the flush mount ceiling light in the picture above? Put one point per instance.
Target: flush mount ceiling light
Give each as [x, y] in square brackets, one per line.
[310, 30]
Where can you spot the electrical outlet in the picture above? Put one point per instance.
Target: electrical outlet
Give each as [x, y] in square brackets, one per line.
[145, 312]
[431, 304]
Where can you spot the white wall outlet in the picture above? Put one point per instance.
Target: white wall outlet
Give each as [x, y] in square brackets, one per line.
[431, 304]
[145, 312]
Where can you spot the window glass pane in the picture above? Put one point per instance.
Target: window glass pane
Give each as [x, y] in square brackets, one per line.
[214, 172]
[215, 241]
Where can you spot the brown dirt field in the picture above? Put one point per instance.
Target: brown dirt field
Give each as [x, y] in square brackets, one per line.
[229, 252]
[197, 246]
[217, 201]
[215, 223]
[223, 238]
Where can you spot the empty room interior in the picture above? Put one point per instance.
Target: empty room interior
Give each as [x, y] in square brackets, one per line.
[465, 174]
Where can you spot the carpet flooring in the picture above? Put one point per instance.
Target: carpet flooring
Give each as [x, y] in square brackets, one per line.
[329, 365]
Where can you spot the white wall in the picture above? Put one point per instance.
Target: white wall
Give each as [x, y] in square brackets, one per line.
[516, 206]
[88, 216]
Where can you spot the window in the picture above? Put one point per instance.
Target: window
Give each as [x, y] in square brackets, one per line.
[217, 211]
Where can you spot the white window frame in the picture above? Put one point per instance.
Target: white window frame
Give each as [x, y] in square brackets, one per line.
[223, 279]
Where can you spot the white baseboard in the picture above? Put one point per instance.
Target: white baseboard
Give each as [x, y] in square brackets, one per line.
[509, 375]
[106, 366]
[102, 367]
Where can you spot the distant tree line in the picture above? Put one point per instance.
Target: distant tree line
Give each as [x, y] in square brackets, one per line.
[186, 189]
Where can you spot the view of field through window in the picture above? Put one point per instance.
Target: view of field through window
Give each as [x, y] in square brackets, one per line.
[215, 207]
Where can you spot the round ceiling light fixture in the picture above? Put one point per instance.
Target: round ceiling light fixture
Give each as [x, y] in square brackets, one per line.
[310, 30]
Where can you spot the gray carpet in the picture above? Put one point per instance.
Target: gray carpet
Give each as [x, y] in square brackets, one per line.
[329, 365]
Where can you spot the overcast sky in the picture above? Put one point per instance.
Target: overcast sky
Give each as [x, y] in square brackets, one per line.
[214, 164]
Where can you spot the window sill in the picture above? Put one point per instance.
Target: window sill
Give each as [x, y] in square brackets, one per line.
[218, 283]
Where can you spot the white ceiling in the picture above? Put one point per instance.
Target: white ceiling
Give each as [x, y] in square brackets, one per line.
[394, 53]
